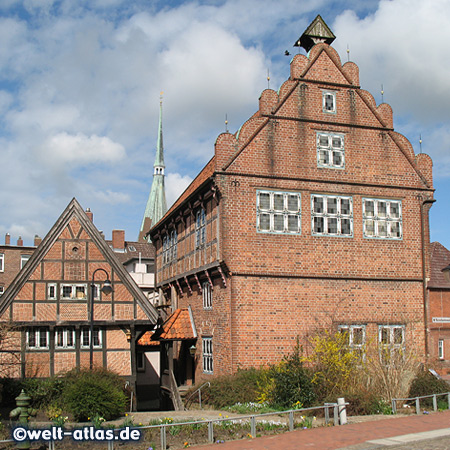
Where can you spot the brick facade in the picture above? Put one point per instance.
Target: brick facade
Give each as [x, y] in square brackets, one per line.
[270, 286]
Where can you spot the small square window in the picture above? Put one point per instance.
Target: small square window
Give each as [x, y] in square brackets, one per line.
[24, 259]
[2, 262]
[330, 150]
[329, 101]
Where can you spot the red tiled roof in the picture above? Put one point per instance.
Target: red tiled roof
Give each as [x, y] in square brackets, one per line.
[146, 339]
[439, 259]
[178, 326]
[206, 173]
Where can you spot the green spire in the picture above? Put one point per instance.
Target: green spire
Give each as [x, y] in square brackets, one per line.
[156, 203]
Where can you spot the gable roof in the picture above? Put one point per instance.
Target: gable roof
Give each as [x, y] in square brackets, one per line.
[74, 210]
[439, 259]
[178, 326]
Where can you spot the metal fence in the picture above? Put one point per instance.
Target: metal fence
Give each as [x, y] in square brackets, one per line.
[417, 401]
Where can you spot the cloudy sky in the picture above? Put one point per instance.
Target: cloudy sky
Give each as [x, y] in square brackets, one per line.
[80, 83]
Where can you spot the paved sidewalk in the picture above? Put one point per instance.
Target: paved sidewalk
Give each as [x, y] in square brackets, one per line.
[356, 436]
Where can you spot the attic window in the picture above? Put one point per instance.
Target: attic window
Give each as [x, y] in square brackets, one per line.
[329, 102]
[131, 248]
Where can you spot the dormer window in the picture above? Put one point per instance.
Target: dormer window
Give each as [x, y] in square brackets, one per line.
[329, 102]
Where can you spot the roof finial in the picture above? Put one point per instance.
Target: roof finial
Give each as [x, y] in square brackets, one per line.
[161, 94]
[348, 53]
[268, 79]
[420, 143]
[226, 123]
[382, 94]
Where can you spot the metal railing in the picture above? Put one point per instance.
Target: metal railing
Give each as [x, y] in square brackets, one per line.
[199, 390]
[417, 401]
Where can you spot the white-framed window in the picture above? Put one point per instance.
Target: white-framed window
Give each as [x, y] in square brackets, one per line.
[330, 150]
[2, 290]
[170, 247]
[200, 228]
[24, 259]
[382, 219]
[2, 262]
[391, 340]
[207, 347]
[65, 337]
[140, 361]
[74, 291]
[278, 212]
[37, 338]
[356, 337]
[207, 295]
[441, 348]
[85, 337]
[51, 291]
[332, 215]
[329, 101]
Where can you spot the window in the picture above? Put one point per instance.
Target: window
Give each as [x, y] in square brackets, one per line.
[51, 291]
[37, 338]
[2, 289]
[207, 295]
[170, 246]
[441, 348]
[391, 339]
[24, 259]
[65, 338]
[85, 338]
[207, 354]
[331, 215]
[330, 150]
[382, 218]
[2, 262]
[329, 101]
[200, 228]
[75, 291]
[356, 337]
[140, 361]
[278, 212]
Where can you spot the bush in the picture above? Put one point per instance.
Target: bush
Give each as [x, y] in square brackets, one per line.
[425, 383]
[94, 393]
[230, 389]
[44, 392]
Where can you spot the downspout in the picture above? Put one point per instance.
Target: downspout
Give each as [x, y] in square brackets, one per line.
[425, 201]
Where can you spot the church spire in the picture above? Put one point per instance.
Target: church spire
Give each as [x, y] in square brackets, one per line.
[156, 203]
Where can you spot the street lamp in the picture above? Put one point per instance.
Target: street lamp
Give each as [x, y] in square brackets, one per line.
[106, 289]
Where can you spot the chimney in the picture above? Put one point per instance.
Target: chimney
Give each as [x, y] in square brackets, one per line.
[7, 239]
[118, 239]
[20, 242]
[37, 240]
[90, 214]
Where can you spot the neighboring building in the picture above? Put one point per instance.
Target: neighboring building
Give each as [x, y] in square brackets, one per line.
[313, 215]
[156, 203]
[49, 302]
[13, 258]
[439, 308]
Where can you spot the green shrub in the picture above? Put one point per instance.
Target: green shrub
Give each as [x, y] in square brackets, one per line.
[44, 391]
[425, 383]
[228, 390]
[94, 393]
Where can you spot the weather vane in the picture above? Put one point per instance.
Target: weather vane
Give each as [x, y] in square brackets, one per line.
[420, 142]
[348, 53]
[382, 94]
[226, 123]
[268, 79]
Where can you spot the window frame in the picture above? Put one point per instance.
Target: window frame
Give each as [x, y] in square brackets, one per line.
[2, 290]
[55, 288]
[73, 294]
[37, 331]
[330, 149]
[200, 228]
[379, 219]
[388, 349]
[325, 94]
[2, 262]
[87, 330]
[286, 213]
[208, 355]
[66, 332]
[207, 295]
[338, 216]
[170, 247]
[23, 260]
[441, 349]
[140, 361]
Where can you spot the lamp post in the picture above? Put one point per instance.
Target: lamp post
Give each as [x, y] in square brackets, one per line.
[106, 289]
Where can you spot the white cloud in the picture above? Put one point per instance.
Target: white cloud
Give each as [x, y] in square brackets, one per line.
[80, 149]
[175, 185]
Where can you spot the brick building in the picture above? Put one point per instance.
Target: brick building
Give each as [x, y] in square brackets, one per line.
[439, 308]
[313, 215]
[49, 303]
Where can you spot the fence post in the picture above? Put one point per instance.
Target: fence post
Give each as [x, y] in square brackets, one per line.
[342, 411]
[434, 402]
[394, 406]
[417, 405]
[291, 421]
[210, 432]
[326, 410]
[163, 438]
[110, 445]
[336, 415]
[253, 426]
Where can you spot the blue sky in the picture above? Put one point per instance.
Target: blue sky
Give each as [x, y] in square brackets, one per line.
[80, 85]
